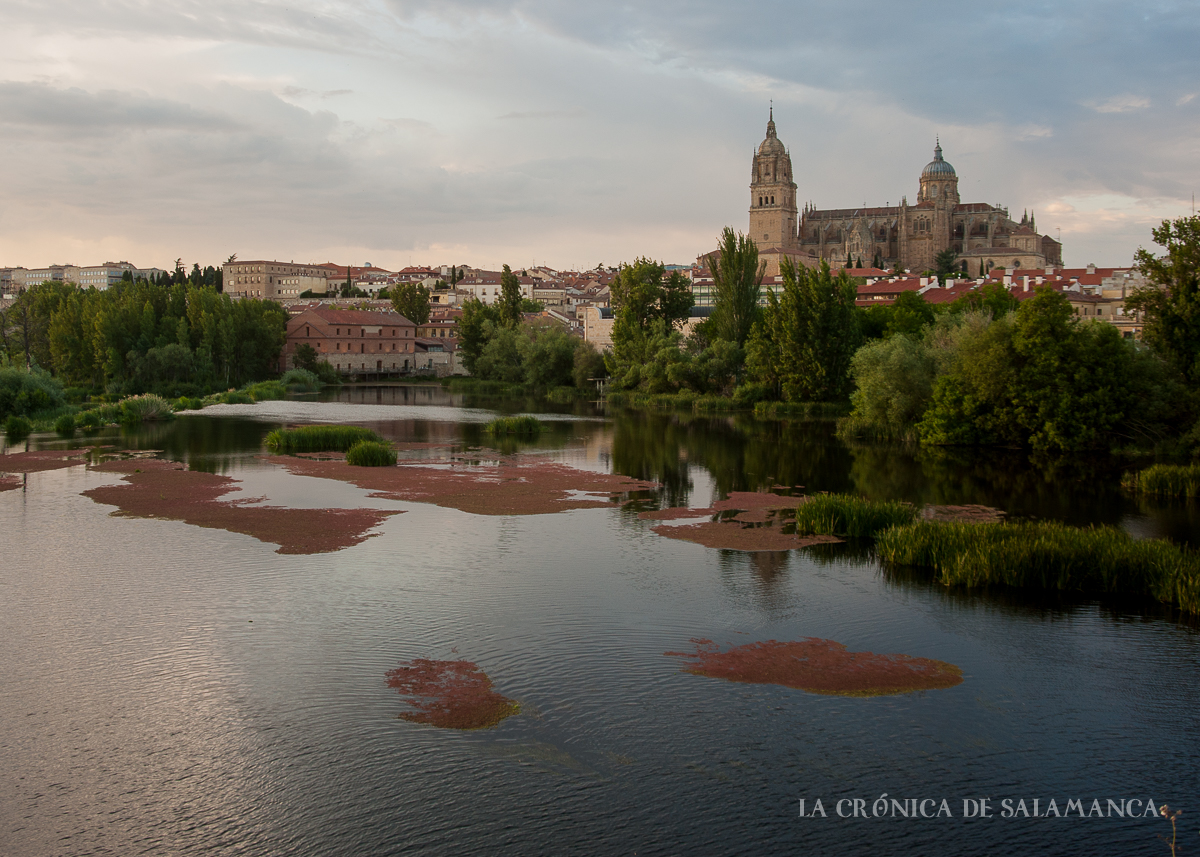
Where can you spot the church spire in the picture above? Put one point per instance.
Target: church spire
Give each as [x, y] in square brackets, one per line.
[771, 121]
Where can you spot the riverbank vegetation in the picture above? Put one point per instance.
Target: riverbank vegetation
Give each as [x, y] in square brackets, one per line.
[1047, 555]
[1165, 480]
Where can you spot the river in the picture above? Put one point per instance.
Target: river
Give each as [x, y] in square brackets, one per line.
[173, 689]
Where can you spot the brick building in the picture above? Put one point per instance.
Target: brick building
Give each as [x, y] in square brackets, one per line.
[354, 342]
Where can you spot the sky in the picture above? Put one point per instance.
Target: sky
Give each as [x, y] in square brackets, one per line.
[482, 132]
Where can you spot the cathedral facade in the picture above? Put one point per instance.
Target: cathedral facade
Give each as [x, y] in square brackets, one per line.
[982, 235]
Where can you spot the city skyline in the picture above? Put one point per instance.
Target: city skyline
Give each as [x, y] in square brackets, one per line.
[529, 132]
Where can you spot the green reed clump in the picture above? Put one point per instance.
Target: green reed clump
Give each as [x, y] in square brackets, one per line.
[329, 438]
[846, 515]
[65, 425]
[145, 408]
[1048, 555]
[1168, 480]
[369, 453]
[523, 425]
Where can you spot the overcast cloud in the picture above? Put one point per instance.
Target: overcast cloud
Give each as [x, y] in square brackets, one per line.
[549, 131]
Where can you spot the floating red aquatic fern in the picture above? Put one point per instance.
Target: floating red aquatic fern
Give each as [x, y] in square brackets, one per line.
[819, 666]
[43, 459]
[525, 487]
[450, 694]
[163, 489]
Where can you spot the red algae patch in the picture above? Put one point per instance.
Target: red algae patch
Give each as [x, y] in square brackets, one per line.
[735, 536]
[968, 514]
[819, 666]
[450, 694]
[164, 490]
[536, 488]
[43, 459]
[9, 483]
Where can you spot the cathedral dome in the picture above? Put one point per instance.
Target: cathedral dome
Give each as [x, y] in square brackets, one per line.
[771, 145]
[938, 167]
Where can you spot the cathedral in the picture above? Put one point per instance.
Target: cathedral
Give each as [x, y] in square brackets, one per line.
[909, 235]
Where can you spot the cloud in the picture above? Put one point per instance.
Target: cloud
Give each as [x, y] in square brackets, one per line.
[301, 92]
[1119, 104]
[544, 114]
[540, 127]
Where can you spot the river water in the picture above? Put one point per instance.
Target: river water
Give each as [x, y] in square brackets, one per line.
[169, 689]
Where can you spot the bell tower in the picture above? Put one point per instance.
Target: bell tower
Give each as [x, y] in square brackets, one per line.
[773, 213]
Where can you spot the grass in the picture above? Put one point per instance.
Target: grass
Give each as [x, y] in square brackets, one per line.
[1048, 555]
[524, 425]
[811, 410]
[331, 438]
[854, 517]
[1167, 480]
[369, 453]
[65, 425]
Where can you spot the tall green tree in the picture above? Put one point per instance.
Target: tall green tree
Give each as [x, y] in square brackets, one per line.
[475, 328]
[801, 349]
[411, 300]
[737, 282]
[945, 263]
[510, 298]
[1171, 302]
[648, 305]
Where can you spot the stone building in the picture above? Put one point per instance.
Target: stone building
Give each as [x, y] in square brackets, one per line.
[910, 235]
[269, 279]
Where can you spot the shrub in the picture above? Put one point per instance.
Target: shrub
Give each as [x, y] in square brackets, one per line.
[523, 425]
[369, 453]
[845, 515]
[327, 374]
[1048, 555]
[145, 408]
[25, 393]
[301, 381]
[17, 427]
[65, 425]
[89, 419]
[1169, 480]
[188, 404]
[329, 438]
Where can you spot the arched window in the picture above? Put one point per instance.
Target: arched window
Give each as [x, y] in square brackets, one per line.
[772, 200]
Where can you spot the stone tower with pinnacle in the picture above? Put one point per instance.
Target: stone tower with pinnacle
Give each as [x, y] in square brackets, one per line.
[773, 212]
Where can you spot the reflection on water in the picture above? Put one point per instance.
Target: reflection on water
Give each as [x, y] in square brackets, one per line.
[172, 689]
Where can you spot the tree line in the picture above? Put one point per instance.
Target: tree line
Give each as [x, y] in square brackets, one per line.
[177, 337]
[986, 369]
